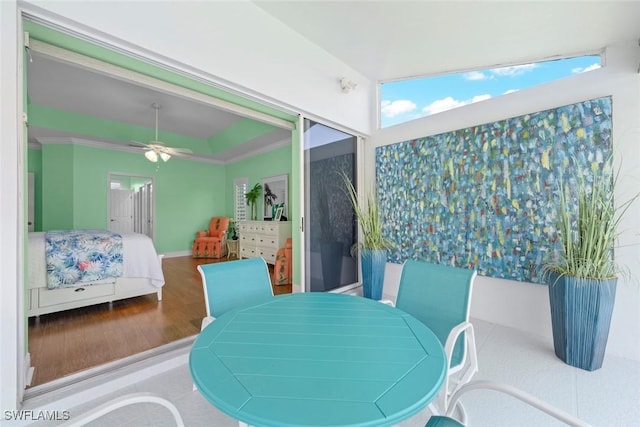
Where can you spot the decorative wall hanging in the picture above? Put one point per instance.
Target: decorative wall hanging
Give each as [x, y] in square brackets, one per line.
[275, 194]
[483, 197]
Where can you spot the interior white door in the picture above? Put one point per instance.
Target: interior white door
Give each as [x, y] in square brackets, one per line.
[121, 211]
[143, 210]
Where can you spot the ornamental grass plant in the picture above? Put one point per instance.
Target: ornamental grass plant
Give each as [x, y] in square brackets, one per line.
[587, 231]
[367, 213]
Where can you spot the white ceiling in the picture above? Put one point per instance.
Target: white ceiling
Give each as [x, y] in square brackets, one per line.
[387, 40]
[383, 40]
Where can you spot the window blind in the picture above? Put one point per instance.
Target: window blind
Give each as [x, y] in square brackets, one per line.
[240, 201]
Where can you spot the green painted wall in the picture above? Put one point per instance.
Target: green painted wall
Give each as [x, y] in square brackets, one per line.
[34, 165]
[57, 187]
[75, 191]
[90, 126]
[275, 162]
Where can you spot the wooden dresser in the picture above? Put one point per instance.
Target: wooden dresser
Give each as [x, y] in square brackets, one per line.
[263, 238]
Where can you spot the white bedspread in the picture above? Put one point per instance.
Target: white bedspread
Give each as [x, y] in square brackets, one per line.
[140, 260]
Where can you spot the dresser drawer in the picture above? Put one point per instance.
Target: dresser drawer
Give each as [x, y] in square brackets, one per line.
[263, 238]
[266, 241]
[48, 297]
[247, 251]
[248, 239]
[268, 229]
[268, 254]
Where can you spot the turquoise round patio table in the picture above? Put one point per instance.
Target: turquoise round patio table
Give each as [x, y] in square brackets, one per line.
[318, 359]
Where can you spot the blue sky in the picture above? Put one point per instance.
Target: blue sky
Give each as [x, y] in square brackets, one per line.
[410, 99]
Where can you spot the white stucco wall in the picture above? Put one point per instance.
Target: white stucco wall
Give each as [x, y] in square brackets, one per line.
[524, 305]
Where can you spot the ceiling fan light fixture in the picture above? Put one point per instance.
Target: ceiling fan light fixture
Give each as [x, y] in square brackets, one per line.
[165, 156]
[152, 156]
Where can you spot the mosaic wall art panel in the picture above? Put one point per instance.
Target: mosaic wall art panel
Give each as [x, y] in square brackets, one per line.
[483, 197]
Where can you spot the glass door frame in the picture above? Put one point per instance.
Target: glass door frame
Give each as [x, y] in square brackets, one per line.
[352, 288]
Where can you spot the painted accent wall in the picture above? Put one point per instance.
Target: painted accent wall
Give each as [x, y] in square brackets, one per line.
[71, 188]
[58, 188]
[34, 165]
[275, 162]
[75, 191]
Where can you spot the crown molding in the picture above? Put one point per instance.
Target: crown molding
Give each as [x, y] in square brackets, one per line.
[119, 147]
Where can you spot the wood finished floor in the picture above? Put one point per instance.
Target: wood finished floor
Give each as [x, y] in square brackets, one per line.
[74, 340]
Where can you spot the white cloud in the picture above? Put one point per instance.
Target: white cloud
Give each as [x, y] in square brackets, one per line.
[476, 75]
[444, 104]
[585, 69]
[510, 91]
[479, 98]
[395, 108]
[515, 70]
[449, 103]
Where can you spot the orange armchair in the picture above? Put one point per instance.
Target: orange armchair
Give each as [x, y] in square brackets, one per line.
[212, 243]
[282, 268]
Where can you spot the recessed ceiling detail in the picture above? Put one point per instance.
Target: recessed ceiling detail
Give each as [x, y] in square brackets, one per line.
[72, 91]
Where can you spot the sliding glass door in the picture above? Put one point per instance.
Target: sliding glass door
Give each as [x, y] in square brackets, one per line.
[330, 226]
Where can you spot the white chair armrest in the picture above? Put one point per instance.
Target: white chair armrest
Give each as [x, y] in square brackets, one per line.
[129, 399]
[206, 321]
[470, 343]
[518, 394]
[467, 368]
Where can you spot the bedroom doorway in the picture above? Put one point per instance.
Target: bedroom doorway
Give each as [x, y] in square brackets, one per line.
[191, 306]
[130, 204]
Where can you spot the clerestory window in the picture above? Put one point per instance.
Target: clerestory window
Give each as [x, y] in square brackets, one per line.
[406, 100]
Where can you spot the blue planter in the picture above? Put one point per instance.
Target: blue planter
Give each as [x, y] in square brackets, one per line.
[580, 317]
[373, 262]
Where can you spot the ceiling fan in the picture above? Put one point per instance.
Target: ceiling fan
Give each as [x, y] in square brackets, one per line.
[157, 149]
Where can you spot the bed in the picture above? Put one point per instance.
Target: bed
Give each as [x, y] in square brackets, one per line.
[140, 274]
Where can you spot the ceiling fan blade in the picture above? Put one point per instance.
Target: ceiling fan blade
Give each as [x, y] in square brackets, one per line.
[138, 144]
[172, 150]
[162, 148]
[159, 146]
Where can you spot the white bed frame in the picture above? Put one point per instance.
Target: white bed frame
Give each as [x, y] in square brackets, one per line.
[42, 300]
